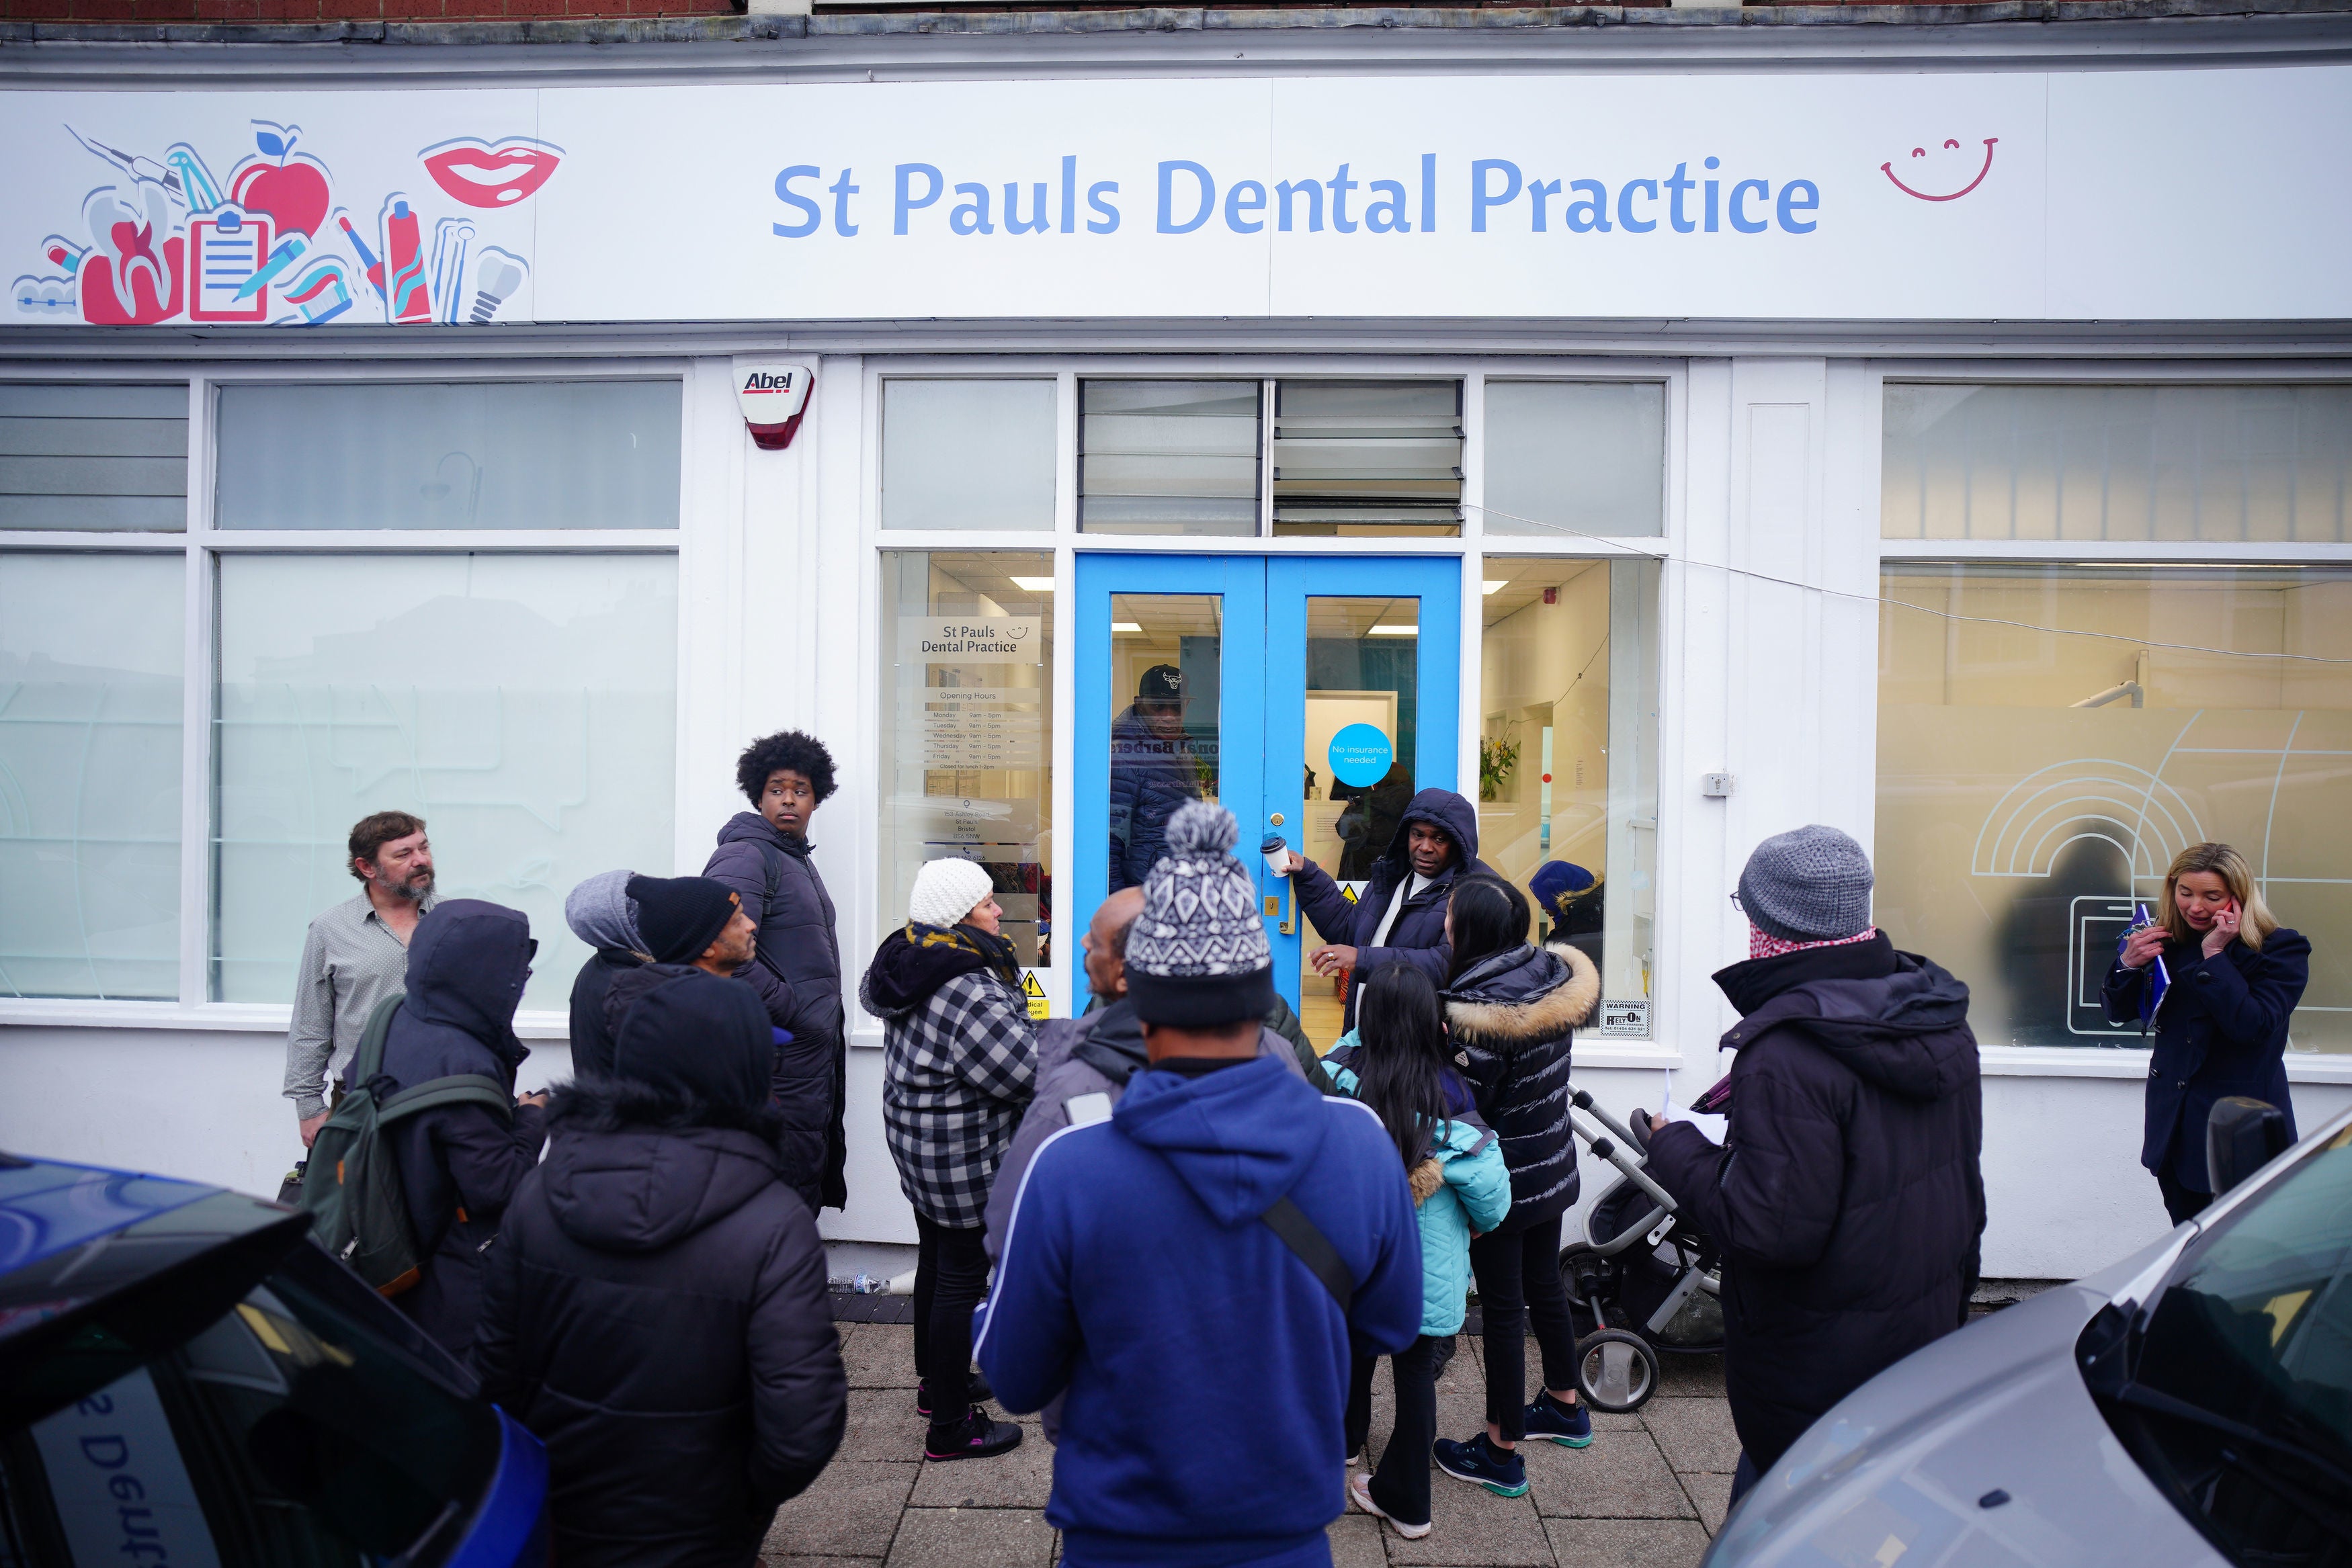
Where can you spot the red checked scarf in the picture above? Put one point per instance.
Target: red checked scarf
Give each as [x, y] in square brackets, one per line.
[1762, 946]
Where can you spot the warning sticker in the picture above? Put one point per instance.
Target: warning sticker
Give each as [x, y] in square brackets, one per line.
[1625, 1017]
[1032, 991]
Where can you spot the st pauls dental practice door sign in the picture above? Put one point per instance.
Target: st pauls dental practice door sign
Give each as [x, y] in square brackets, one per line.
[1259, 654]
[2146, 194]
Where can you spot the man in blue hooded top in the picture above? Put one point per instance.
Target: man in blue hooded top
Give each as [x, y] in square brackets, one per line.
[1157, 1265]
[460, 1164]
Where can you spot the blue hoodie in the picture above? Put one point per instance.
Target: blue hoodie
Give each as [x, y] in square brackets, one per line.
[1206, 1366]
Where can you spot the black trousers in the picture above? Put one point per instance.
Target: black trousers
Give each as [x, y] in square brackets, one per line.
[1401, 1485]
[1518, 1284]
[951, 1278]
[2179, 1202]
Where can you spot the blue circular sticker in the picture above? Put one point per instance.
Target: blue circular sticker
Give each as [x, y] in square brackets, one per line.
[1360, 755]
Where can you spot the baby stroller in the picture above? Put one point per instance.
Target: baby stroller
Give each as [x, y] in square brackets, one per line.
[1641, 1280]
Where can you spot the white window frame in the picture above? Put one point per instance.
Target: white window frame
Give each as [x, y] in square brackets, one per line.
[202, 546]
[2092, 1061]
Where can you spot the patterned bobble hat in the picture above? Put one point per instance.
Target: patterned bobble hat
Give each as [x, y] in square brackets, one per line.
[1197, 957]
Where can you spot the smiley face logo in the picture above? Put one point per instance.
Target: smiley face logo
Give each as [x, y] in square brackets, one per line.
[1888, 169]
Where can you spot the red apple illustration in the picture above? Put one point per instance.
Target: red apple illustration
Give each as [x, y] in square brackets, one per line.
[291, 188]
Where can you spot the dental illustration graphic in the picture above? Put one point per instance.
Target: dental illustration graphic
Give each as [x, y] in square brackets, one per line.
[277, 242]
[1951, 145]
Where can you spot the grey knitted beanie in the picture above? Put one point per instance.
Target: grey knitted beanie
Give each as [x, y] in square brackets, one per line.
[1809, 885]
[1197, 957]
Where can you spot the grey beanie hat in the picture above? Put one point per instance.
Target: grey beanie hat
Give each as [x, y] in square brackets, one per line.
[1197, 956]
[1809, 884]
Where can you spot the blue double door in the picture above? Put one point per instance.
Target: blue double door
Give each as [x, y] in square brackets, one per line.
[1309, 695]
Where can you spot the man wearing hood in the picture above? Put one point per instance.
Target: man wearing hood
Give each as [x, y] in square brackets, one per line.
[655, 1310]
[763, 857]
[1206, 1360]
[1401, 916]
[459, 1165]
[602, 914]
[1846, 1196]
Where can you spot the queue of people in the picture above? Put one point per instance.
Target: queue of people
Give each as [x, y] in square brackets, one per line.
[1194, 1220]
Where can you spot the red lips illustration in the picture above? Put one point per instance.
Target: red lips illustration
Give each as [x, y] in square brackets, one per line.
[1888, 169]
[491, 174]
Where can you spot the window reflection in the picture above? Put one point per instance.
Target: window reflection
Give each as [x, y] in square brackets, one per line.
[1167, 664]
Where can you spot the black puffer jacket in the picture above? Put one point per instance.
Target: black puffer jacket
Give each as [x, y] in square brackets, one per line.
[467, 965]
[1418, 938]
[797, 973]
[655, 1310]
[1847, 1196]
[1511, 1019]
[592, 1042]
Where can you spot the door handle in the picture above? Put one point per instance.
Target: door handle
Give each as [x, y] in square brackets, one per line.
[1283, 906]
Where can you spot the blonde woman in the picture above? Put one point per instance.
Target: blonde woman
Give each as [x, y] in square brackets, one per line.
[2221, 1026]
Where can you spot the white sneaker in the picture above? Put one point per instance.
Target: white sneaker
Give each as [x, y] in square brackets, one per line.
[1360, 1492]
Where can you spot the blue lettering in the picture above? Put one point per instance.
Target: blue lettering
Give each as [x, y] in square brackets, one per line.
[1313, 190]
[1207, 189]
[1625, 218]
[784, 193]
[842, 191]
[1481, 198]
[908, 203]
[1789, 205]
[1109, 222]
[970, 217]
[1340, 185]
[1012, 224]
[1070, 192]
[1388, 215]
[1740, 218]
[1537, 191]
[1590, 212]
[1714, 188]
[1677, 186]
[1429, 193]
[1245, 196]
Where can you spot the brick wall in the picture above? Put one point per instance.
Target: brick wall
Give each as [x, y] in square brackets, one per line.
[254, 11]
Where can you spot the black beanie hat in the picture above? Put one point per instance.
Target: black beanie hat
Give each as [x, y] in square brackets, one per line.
[696, 1036]
[681, 916]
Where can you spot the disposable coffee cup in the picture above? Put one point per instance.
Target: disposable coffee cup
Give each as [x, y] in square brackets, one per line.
[1274, 847]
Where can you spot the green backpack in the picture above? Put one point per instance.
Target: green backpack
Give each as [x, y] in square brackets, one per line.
[351, 1190]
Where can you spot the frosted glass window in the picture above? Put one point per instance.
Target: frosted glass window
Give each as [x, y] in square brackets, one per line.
[1368, 458]
[89, 774]
[2034, 788]
[525, 707]
[95, 458]
[1585, 457]
[465, 454]
[967, 454]
[1168, 457]
[2265, 463]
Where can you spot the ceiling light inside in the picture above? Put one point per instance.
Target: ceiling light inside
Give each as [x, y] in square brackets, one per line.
[1121, 626]
[1033, 584]
[1489, 586]
[1395, 632]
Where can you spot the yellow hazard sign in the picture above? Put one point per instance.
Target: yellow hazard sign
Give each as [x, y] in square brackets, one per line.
[1033, 991]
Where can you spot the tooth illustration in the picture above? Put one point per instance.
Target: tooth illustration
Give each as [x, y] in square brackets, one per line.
[499, 275]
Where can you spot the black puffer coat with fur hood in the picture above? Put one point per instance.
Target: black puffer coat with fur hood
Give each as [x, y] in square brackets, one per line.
[655, 1308]
[1512, 1018]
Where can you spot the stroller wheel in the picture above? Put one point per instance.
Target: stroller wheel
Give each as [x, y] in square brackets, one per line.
[1616, 1371]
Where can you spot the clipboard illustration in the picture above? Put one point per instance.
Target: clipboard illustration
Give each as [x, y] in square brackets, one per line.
[225, 247]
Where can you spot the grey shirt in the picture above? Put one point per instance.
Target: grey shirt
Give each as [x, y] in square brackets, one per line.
[351, 961]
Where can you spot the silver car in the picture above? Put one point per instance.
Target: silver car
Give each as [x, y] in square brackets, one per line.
[2190, 1404]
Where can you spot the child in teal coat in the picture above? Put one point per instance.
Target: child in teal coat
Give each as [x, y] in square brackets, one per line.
[1396, 1068]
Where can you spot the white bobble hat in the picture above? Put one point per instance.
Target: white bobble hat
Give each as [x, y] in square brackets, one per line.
[947, 891]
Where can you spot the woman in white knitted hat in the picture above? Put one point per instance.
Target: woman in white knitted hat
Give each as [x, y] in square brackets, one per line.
[958, 1066]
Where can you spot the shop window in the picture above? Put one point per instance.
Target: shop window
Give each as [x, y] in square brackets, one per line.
[967, 737]
[2032, 787]
[524, 705]
[89, 774]
[2201, 464]
[93, 457]
[1567, 746]
[1565, 458]
[968, 454]
[1169, 457]
[1370, 459]
[458, 455]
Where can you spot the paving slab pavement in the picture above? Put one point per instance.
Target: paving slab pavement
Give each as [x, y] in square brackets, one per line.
[1648, 1493]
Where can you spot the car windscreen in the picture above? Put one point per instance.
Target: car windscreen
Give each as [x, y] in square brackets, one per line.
[2247, 1359]
[288, 1433]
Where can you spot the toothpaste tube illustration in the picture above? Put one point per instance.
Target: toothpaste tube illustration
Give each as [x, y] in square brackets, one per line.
[408, 297]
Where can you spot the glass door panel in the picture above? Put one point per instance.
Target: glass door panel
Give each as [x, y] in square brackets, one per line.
[1167, 653]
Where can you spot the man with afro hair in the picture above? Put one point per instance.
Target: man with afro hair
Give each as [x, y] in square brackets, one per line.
[763, 856]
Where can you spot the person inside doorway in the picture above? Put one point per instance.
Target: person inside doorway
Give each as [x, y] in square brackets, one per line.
[1400, 918]
[1368, 822]
[354, 955]
[1154, 770]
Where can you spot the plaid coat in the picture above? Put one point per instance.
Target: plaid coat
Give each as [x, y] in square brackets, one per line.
[958, 1069]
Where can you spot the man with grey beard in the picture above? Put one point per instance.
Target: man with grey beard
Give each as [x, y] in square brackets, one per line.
[355, 956]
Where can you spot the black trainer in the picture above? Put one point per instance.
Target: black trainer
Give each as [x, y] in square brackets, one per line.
[977, 1387]
[976, 1436]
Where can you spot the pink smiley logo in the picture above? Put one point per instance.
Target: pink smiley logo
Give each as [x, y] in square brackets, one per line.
[1888, 169]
